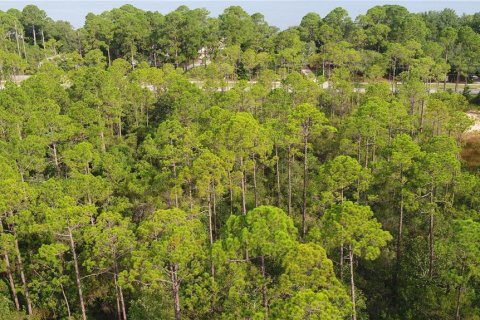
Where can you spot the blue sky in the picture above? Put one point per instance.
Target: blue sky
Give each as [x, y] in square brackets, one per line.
[283, 13]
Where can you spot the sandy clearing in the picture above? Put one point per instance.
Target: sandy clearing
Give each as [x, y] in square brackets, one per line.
[476, 117]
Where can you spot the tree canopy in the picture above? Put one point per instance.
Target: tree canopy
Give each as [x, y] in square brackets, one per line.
[185, 166]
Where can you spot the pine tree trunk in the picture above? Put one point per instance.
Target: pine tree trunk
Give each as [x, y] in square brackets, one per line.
[214, 207]
[394, 75]
[446, 74]
[131, 56]
[459, 296]
[366, 153]
[210, 228]
[80, 49]
[431, 250]
[43, 39]
[422, 115]
[175, 291]
[22, 272]
[190, 196]
[123, 313]
[230, 187]
[24, 49]
[277, 167]
[289, 164]
[457, 302]
[102, 139]
[77, 275]
[17, 41]
[400, 234]
[66, 302]
[430, 239]
[352, 283]
[175, 177]
[255, 180]
[359, 147]
[341, 262]
[210, 220]
[55, 158]
[10, 280]
[119, 127]
[122, 303]
[34, 35]
[264, 287]
[305, 169]
[244, 201]
[457, 80]
[109, 57]
[117, 297]
[341, 249]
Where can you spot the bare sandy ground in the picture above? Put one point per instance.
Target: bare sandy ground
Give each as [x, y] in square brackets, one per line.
[475, 115]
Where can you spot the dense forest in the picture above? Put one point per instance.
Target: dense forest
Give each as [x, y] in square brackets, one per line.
[184, 166]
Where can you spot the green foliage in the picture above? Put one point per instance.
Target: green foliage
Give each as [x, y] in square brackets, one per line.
[341, 174]
[7, 311]
[309, 286]
[354, 225]
[170, 240]
[165, 166]
[263, 231]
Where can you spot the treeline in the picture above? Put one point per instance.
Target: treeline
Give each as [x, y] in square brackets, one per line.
[381, 43]
[127, 190]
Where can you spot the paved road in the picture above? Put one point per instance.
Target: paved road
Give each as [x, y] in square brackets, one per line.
[231, 84]
[276, 84]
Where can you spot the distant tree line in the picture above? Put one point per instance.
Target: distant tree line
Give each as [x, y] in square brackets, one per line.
[381, 43]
